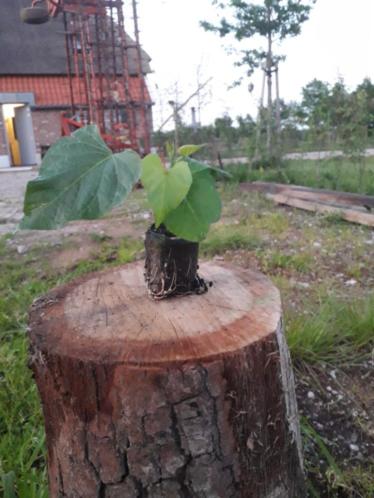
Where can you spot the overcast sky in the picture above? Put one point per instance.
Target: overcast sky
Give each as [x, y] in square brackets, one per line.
[338, 40]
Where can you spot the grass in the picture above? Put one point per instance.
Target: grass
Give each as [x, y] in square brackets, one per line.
[274, 223]
[22, 279]
[333, 174]
[357, 482]
[21, 430]
[273, 260]
[340, 332]
[223, 238]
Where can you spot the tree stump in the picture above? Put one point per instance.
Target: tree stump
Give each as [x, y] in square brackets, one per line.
[187, 397]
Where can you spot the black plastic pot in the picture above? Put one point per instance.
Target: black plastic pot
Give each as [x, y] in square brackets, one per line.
[171, 265]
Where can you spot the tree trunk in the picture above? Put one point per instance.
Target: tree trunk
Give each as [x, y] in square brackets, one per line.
[183, 398]
[259, 119]
[269, 68]
[278, 117]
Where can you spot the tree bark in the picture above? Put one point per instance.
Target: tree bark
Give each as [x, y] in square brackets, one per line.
[278, 116]
[259, 118]
[269, 69]
[189, 397]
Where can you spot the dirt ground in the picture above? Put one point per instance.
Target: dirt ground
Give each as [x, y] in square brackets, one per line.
[74, 242]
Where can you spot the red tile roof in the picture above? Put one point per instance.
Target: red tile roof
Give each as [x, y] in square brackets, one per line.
[54, 90]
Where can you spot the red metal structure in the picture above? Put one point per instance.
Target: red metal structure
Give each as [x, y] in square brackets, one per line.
[98, 53]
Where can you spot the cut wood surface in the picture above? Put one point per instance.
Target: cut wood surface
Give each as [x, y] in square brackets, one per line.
[187, 397]
[351, 215]
[332, 196]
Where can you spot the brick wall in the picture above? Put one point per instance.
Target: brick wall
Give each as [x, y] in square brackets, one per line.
[139, 123]
[47, 127]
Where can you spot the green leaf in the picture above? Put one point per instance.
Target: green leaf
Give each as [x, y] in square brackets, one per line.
[80, 178]
[188, 150]
[198, 166]
[8, 481]
[166, 189]
[202, 206]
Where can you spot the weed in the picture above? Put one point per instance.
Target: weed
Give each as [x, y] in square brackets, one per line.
[356, 481]
[334, 174]
[332, 219]
[274, 223]
[355, 270]
[128, 249]
[339, 332]
[99, 237]
[279, 260]
[229, 237]
[108, 255]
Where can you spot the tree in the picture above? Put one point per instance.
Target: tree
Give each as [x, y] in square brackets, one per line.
[354, 132]
[367, 87]
[315, 103]
[273, 20]
[315, 114]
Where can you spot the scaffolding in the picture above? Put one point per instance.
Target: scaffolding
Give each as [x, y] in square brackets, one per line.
[105, 71]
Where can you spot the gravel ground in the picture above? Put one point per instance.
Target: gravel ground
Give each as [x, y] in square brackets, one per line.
[12, 190]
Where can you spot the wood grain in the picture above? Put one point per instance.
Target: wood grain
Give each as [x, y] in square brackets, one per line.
[111, 315]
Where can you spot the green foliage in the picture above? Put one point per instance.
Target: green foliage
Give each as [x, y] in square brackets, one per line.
[188, 150]
[194, 208]
[229, 237]
[275, 223]
[201, 207]
[79, 178]
[271, 19]
[300, 262]
[21, 430]
[332, 174]
[166, 189]
[9, 485]
[339, 332]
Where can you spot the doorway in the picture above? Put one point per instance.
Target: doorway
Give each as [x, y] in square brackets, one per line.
[20, 134]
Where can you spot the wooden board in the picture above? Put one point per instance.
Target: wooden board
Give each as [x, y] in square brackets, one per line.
[351, 215]
[317, 195]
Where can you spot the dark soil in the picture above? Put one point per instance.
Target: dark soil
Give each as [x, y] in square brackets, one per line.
[171, 265]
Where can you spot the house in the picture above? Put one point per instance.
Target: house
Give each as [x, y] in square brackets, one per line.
[36, 86]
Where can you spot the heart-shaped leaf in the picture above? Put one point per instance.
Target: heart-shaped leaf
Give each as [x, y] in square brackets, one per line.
[165, 188]
[80, 178]
[188, 150]
[202, 206]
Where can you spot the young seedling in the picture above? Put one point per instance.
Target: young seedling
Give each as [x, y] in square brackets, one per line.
[80, 178]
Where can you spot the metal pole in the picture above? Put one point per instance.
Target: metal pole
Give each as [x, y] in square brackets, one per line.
[68, 59]
[100, 74]
[126, 74]
[143, 104]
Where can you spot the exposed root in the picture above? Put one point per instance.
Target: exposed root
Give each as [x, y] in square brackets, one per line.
[160, 286]
[171, 265]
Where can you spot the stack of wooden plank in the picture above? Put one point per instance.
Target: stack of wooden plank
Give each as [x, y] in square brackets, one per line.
[355, 208]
